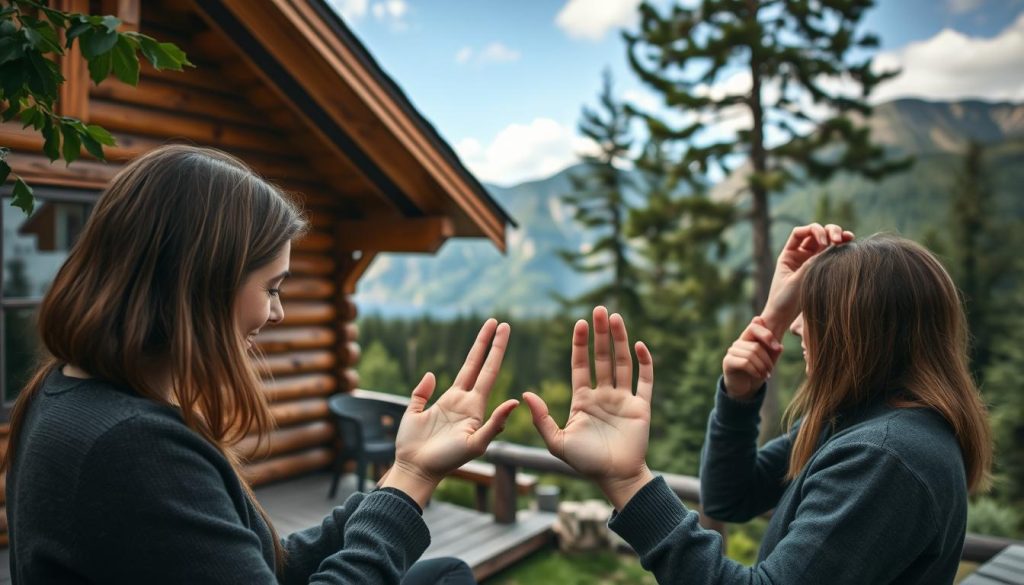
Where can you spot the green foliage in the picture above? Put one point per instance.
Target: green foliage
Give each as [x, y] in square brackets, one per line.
[379, 371]
[600, 204]
[30, 77]
[989, 517]
[548, 566]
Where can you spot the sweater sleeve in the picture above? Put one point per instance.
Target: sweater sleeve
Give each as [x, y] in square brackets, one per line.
[738, 481]
[863, 518]
[156, 503]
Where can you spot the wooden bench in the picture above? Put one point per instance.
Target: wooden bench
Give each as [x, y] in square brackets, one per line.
[1006, 568]
[481, 475]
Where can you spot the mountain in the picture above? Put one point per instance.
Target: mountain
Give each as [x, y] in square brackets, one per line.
[472, 276]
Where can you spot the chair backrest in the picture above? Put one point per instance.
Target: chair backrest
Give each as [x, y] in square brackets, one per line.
[362, 419]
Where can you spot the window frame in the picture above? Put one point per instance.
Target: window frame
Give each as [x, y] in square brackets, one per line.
[43, 193]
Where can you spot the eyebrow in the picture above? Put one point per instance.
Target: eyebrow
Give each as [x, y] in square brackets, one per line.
[281, 276]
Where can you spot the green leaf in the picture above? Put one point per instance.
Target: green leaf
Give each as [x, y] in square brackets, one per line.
[111, 22]
[28, 115]
[94, 148]
[72, 143]
[42, 78]
[99, 67]
[163, 55]
[96, 42]
[10, 49]
[57, 18]
[22, 198]
[42, 37]
[12, 79]
[100, 134]
[5, 170]
[125, 61]
[77, 29]
[51, 138]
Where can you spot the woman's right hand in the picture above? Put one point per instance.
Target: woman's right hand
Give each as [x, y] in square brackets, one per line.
[432, 442]
[804, 243]
[750, 360]
[605, 437]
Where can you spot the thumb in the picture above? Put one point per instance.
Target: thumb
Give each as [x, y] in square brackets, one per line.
[494, 425]
[546, 426]
[422, 393]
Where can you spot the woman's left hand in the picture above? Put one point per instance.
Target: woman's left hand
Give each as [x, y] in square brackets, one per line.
[433, 442]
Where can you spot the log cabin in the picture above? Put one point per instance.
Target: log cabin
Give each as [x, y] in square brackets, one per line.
[287, 87]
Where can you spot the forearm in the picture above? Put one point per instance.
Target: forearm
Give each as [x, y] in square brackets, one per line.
[738, 480]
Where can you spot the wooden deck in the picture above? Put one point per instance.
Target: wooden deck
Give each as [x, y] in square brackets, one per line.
[455, 531]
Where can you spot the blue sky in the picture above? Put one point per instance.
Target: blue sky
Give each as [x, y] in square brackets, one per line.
[504, 81]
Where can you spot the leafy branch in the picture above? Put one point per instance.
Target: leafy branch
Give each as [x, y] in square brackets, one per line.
[31, 36]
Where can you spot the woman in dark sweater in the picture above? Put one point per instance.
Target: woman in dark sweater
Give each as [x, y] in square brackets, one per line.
[121, 465]
[869, 485]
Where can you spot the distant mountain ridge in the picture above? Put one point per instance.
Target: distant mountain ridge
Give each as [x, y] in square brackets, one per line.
[472, 276]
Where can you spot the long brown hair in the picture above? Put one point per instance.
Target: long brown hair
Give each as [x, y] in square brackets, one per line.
[154, 275]
[884, 320]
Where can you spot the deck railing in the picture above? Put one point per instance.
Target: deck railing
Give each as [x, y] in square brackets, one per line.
[509, 458]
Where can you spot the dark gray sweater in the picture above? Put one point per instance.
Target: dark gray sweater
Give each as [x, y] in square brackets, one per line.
[109, 487]
[882, 500]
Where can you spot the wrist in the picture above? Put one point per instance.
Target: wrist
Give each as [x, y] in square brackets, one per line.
[620, 491]
[777, 321]
[411, 481]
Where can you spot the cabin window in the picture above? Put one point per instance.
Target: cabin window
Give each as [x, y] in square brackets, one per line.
[34, 247]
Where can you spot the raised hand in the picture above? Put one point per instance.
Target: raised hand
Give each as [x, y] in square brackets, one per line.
[605, 437]
[804, 243]
[750, 360]
[433, 442]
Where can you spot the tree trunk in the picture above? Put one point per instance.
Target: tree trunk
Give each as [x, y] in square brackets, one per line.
[761, 225]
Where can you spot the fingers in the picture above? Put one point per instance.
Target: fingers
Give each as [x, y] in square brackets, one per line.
[546, 426]
[805, 235]
[623, 358]
[580, 360]
[759, 331]
[602, 348]
[492, 366]
[645, 381]
[470, 369]
[754, 353]
[422, 392]
[494, 425]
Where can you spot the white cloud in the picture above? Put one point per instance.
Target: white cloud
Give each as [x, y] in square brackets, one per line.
[962, 6]
[498, 52]
[523, 152]
[351, 10]
[495, 52]
[392, 13]
[464, 55]
[952, 65]
[592, 19]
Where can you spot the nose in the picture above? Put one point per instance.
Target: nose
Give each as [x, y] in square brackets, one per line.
[276, 312]
[797, 327]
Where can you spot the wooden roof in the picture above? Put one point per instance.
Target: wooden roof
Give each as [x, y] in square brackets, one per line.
[356, 113]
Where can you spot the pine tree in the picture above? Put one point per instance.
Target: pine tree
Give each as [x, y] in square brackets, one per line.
[600, 202]
[797, 55]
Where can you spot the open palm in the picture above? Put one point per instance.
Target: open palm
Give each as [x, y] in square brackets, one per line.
[438, 440]
[605, 437]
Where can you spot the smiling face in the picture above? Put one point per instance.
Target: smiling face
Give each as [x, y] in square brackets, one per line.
[258, 301]
[797, 327]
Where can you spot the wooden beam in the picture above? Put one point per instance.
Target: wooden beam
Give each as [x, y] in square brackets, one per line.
[301, 386]
[393, 235]
[129, 11]
[285, 339]
[74, 92]
[279, 468]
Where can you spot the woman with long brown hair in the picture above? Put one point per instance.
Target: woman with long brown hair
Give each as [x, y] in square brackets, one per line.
[122, 465]
[888, 433]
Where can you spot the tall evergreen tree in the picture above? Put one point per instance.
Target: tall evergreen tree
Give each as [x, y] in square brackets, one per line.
[601, 205]
[795, 55]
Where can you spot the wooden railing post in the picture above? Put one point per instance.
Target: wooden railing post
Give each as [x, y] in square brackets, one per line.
[504, 493]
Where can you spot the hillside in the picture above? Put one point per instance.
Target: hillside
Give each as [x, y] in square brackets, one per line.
[471, 276]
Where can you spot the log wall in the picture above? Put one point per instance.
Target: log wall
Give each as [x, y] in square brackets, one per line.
[223, 103]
